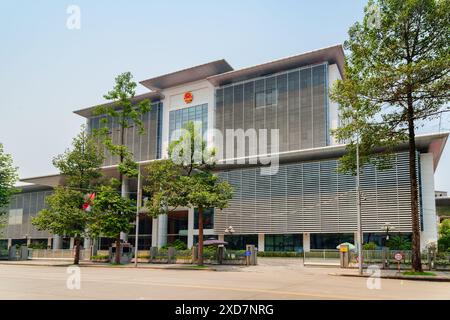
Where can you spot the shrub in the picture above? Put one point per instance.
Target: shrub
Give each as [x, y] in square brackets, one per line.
[370, 246]
[100, 257]
[279, 254]
[177, 244]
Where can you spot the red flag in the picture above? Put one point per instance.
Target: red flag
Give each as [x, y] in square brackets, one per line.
[87, 206]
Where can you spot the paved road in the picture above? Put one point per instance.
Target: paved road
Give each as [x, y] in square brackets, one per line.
[269, 280]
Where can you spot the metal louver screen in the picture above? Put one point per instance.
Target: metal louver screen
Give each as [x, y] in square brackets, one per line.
[294, 102]
[144, 147]
[313, 197]
[31, 203]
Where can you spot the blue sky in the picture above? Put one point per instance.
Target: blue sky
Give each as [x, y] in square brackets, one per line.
[47, 70]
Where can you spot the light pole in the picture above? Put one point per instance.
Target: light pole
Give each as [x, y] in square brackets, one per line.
[138, 206]
[358, 211]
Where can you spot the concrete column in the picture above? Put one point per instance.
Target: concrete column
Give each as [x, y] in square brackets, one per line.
[221, 237]
[87, 243]
[72, 243]
[261, 242]
[306, 242]
[125, 194]
[155, 232]
[162, 230]
[9, 243]
[57, 242]
[430, 227]
[49, 242]
[190, 228]
[28, 241]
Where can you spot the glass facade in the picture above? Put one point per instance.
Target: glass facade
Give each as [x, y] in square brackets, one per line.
[238, 242]
[208, 218]
[179, 118]
[294, 102]
[283, 242]
[330, 240]
[177, 226]
[144, 147]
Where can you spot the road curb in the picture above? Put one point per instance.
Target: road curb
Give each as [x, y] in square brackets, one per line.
[414, 278]
[106, 266]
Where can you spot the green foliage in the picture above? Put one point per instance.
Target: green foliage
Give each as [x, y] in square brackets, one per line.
[80, 168]
[100, 257]
[64, 214]
[111, 214]
[38, 245]
[444, 236]
[370, 246]
[164, 185]
[80, 165]
[279, 254]
[402, 61]
[8, 178]
[177, 244]
[399, 242]
[397, 76]
[127, 113]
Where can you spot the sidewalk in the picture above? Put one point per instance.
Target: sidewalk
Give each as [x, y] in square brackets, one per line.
[141, 265]
[440, 276]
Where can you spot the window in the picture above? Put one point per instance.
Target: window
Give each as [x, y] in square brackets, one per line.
[15, 216]
[179, 118]
[283, 242]
[271, 97]
[239, 242]
[260, 99]
[208, 218]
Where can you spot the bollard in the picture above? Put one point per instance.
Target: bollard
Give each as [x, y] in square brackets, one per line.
[153, 253]
[171, 255]
[344, 256]
[194, 253]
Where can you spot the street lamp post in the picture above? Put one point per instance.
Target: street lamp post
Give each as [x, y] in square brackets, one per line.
[138, 206]
[358, 203]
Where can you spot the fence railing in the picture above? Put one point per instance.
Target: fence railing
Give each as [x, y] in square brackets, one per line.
[321, 257]
[59, 254]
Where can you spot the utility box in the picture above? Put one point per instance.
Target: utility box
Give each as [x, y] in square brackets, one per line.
[126, 251]
[251, 255]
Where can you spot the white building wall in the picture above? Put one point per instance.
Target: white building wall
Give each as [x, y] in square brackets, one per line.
[430, 227]
[333, 111]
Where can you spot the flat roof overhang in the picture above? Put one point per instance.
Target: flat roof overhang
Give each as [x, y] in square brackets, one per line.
[152, 96]
[334, 54]
[192, 74]
[429, 143]
[443, 202]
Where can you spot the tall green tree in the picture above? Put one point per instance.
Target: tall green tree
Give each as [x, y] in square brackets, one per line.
[396, 77]
[80, 168]
[128, 114]
[8, 178]
[186, 179]
[111, 214]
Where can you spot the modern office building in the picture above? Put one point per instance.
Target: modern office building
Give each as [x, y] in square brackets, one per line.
[288, 194]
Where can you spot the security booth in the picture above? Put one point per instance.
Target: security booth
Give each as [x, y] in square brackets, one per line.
[126, 253]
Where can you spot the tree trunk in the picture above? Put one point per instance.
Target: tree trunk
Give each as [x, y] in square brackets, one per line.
[118, 246]
[76, 259]
[416, 259]
[200, 236]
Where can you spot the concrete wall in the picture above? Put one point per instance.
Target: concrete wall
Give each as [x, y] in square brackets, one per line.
[430, 227]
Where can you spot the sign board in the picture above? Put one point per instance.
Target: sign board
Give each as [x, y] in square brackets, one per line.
[343, 249]
[398, 256]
